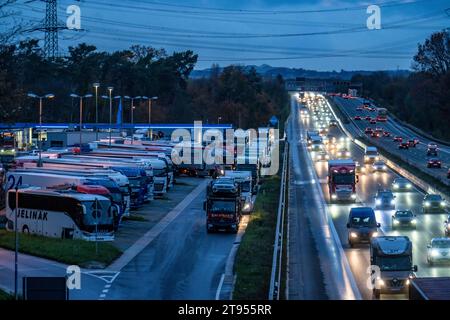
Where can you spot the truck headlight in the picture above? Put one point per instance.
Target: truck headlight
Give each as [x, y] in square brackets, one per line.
[353, 196]
[409, 186]
[384, 168]
[414, 221]
[396, 222]
[377, 158]
[380, 282]
[333, 196]
[395, 186]
[246, 206]
[434, 253]
[427, 204]
[378, 201]
[407, 282]
[366, 157]
[353, 235]
[392, 201]
[375, 234]
[347, 154]
[442, 203]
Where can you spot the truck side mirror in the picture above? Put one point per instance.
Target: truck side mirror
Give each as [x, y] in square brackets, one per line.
[415, 268]
[378, 225]
[348, 225]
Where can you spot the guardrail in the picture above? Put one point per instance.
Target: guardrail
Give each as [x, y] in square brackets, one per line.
[275, 278]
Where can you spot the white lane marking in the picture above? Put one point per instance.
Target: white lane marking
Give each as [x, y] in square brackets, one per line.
[107, 286]
[105, 290]
[102, 296]
[219, 288]
[107, 276]
[154, 232]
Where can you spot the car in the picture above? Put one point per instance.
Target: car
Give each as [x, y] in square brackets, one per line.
[403, 145]
[359, 168]
[321, 156]
[402, 185]
[379, 166]
[373, 121]
[433, 203]
[362, 225]
[398, 139]
[333, 123]
[384, 199]
[404, 218]
[375, 134]
[386, 134]
[372, 109]
[343, 153]
[434, 163]
[447, 226]
[368, 130]
[359, 108]
[368, 118]
[438, 250]
[357, 118]
[432, 150]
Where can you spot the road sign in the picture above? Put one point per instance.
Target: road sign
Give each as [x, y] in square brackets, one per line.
[273, 121]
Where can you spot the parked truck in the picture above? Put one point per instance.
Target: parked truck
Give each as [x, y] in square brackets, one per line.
[223, 205]
[342, 180]
[392, 258]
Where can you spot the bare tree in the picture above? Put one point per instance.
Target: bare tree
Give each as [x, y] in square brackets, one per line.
[434, 55]
[11, 24]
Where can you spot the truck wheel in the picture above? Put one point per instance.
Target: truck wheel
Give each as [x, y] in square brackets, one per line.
[376, 294]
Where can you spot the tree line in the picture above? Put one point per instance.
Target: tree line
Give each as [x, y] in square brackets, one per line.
[234, 96]
[423, 97]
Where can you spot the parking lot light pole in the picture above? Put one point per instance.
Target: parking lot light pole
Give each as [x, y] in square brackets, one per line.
[96, 86]
[73, 95]
[150, 100]
[132, 112]
[110, 89]
[34, 96]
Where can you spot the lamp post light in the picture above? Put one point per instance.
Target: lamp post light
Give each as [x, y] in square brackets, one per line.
[132, 112]
[150, 112]
[218, 120]
[73, 95]
[34, 96]
[110, 89]
[96, 86]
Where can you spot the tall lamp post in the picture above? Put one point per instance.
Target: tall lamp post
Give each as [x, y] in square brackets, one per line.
[34, 96]
[218, 120]
[150, 113]
[110, 89]
[73, 95]
[96, 85]
[132, 112]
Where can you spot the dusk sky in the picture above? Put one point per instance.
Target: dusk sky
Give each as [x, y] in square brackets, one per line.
[321, 35]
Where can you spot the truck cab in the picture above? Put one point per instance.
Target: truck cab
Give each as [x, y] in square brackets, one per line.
[223, 205]
[371, 155]
[392, 256]
[342, 180]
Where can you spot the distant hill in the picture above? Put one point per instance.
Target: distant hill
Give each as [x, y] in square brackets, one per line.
[290, 73]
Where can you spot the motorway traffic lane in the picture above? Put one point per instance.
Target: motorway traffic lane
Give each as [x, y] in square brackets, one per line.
[317, 267]
[416, 156]
[182, 262]
[429, 225]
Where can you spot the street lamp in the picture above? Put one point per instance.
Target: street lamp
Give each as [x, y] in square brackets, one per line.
[73, 95]
[34, 96]
[132, 112]
[96, 85]
[150, 112]
[110, 89]
[218, 120]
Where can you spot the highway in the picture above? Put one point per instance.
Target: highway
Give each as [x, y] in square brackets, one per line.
[415, 156]
[428, 226]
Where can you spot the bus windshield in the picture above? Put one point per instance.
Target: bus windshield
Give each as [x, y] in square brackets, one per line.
[97, 212]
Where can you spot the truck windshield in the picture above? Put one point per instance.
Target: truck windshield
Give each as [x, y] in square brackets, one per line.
[399, 263]
[371, 153]
[344, 179]
[222, 206]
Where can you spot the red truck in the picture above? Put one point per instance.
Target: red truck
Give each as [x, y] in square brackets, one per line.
[342, 180]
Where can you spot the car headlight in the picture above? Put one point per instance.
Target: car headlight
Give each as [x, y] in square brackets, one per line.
[333, 196]
[407, 282]
[375, 234]
[414, 221]
[434, 253]
[442, 203]
[384, 168]
[246, 206]
[353, 235]
[353, 196]
[327, 157]
[380, 282]
[366, 157]
[378, 201]
[377, 158]
[395, 186]
[347, 154]
[427, 204]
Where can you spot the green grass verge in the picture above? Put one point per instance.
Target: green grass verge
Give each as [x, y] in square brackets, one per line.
[253, 263]
[78, 252]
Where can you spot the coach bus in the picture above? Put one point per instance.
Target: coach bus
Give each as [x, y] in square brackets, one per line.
[66, 215]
